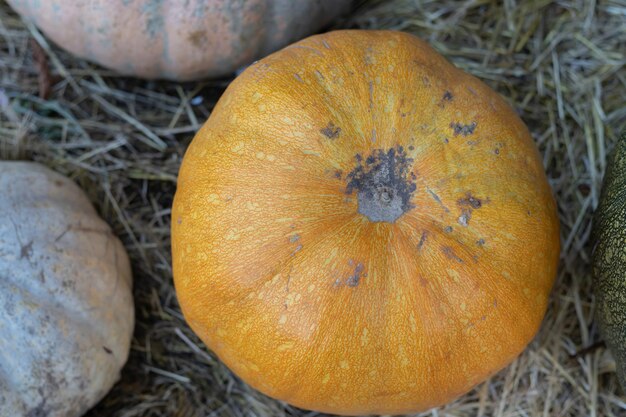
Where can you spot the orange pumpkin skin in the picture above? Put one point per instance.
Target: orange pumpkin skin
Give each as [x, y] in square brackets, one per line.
[173, 39]
[360, 227]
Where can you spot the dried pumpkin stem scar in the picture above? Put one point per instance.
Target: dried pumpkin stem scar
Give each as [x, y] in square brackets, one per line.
[383, 183]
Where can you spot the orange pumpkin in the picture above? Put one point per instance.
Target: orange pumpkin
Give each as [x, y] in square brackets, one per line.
[360, 227]
[180, 40]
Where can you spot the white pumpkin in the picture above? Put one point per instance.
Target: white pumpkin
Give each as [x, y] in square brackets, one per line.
[65, 297]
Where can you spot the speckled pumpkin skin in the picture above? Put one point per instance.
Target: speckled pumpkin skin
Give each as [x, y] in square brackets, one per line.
[65, 297]
[609, 258]
[360, 227]
[174, 39]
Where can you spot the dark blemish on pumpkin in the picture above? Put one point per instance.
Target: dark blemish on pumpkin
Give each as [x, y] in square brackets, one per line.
[298, 77]
[437, 199]
[80, 228]
[495, 302]
[483, 318]
[446, 140]
[423, 282]
[449, 252]
[107, 350]
[40, 410]
[373, 135]
[338, 174]
[68, 284]
[480, 242]
[465, 217]
[472, 91]
[198, 38]
[331, 131]
[294, 238]
[447, 97]
[528, 212]
[319, 74]
[448, 229]
[26, 251]
[422, 240]
[383, 184]
[358, 157]
[411, 147]
[287, 285]
[82, 385]
[51, 382]
[371, 90]
[470, 201]
[426, 81]
[461, 129]
[298, 249]
[354, 279]
[368, 57]
[179, 220]
[153, 10]
[496, 151]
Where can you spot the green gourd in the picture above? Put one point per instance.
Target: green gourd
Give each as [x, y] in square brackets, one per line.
[609, 258]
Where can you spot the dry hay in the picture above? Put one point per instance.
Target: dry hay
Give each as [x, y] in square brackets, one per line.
[559, 63]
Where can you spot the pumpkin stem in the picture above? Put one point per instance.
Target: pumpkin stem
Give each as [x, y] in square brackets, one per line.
[384, 184]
